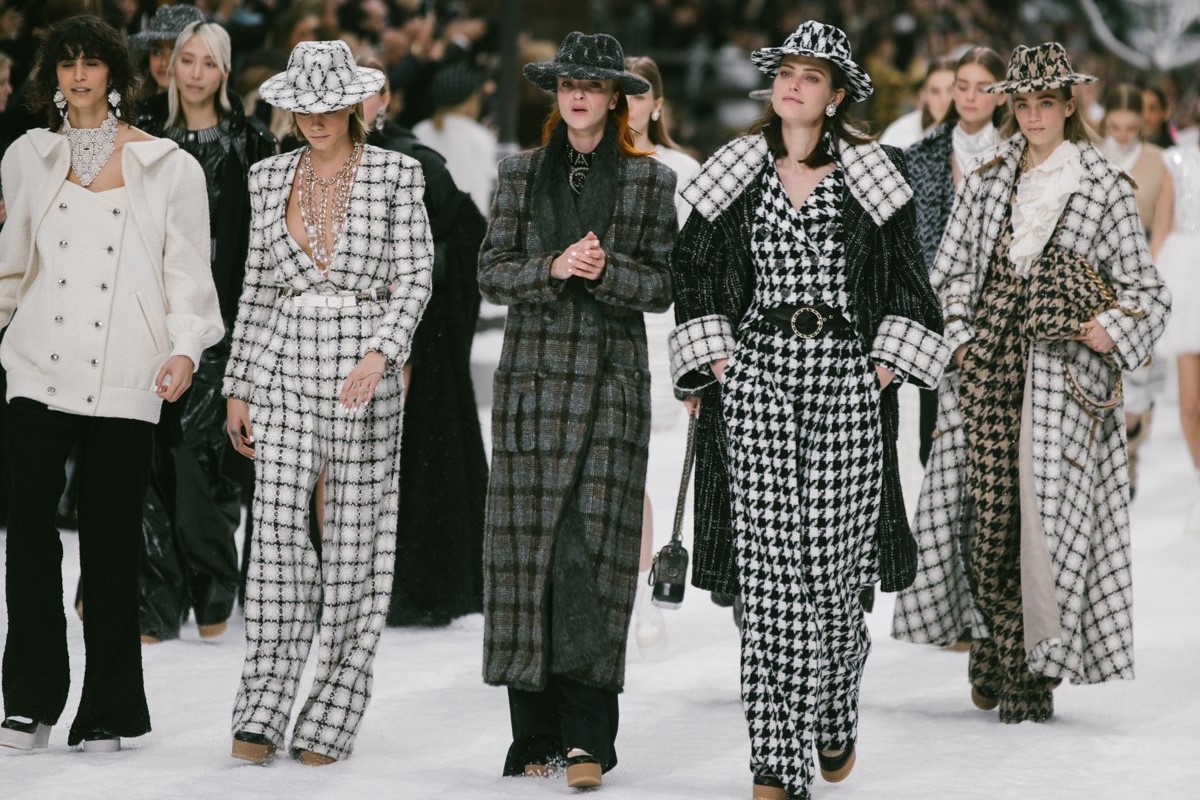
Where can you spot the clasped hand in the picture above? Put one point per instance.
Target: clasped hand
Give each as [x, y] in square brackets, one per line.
[585, 258]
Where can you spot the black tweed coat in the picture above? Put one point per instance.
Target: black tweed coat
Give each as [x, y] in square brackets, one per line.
[559, 353]
[933, 187]
[899, 323]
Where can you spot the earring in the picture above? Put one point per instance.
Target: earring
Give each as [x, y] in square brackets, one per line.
[114, 100]
[380, 118]
[656, 115]
[831, 109]
[60, 101]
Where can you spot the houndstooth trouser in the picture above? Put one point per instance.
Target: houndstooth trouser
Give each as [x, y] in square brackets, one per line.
[300, 429]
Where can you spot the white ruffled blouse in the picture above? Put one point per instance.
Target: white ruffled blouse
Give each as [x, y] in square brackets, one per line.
[1042, 194]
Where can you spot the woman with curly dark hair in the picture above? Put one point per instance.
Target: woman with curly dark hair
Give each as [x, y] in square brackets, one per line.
[104, 263]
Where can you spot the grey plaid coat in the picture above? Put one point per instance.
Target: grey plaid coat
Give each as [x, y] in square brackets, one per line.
[1080, 477]
[541, 409]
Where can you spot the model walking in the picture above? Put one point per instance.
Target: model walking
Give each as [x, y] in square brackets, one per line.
[337, 278]
[1046, 520]
[105, 264]
[799, 287]
[193, 507]
[577, 248]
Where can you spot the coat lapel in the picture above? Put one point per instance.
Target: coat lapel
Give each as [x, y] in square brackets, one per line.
[56, 155]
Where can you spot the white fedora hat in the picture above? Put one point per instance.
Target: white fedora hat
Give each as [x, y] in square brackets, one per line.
[320, 77]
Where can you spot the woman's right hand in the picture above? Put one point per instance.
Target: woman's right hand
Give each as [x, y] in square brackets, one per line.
[718, 369]
[237, 425]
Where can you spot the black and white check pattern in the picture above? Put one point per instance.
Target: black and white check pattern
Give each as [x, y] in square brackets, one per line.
[289, 363]
[806, 466]
[813, 39]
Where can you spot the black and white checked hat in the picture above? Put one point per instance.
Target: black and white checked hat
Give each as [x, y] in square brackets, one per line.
[1037, 69]
[166, 25]
[816, 40]
[586, 56]
[320, 77]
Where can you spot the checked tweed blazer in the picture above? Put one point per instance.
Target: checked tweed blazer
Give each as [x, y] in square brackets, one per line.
[898, 322]
[1080, 467]
[550, 368]
[933, 187]
[386, 242]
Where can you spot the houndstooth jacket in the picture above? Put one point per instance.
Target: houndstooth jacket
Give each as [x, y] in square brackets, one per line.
[897, 319]
[1080, 480]
[386, 242]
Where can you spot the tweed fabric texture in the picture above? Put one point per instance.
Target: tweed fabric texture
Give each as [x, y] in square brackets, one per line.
[289, 364]
[586, 56]
[320, 77]
[550, 365]
[1080, 480]
[1037, 69]
[933, 187]
[713, 273]
[813, 39]
[166, 24]
[805, 457]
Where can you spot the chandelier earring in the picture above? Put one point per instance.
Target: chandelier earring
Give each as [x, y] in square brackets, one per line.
[60, 101]
[656, 115]
[831, 109]
[114, 100]
[380, 118]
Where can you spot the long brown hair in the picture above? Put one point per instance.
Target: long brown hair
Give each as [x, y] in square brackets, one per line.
[990, 60]
[841, 127]
[620, 115]
[644, 67]
[943, 64]
[1075, 128]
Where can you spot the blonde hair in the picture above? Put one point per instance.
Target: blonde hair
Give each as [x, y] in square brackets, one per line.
[216, 41]
[358, 126]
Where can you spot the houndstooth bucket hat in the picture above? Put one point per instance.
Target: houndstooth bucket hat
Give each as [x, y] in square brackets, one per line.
[588, 57]
[815, 40]
[1037, 69]
[166, 25]
[320, 77]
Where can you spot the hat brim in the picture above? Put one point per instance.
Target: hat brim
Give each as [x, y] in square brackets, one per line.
[858, 82]
[1030, 85]
[545, 75]
[282, 93]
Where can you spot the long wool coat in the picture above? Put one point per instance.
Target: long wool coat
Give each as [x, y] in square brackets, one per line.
[898, 324]
[1080, 477]
[933, 187]
[550, 369]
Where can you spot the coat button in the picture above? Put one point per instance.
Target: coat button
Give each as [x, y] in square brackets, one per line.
[104, 287]
[62, 242]
[109, 249]
[50, 390]
[116, 212]
[97, 324]
[58, 320]
[62, 206]
[62, 281]
[54, 356]
[95, 362]
[91, 398]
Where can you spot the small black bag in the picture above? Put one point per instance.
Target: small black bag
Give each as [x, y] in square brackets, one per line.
[668, 575]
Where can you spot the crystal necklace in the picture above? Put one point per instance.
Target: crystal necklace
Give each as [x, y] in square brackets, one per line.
[91, 147]
[323, 204]
[578, 163]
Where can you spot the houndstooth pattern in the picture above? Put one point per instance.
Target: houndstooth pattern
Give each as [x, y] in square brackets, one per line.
[1079, 470]
[805, 466]
[814, 39]
[289, 364]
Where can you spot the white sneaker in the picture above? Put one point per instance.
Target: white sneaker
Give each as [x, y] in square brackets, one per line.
[109, 745]
[650, 627]
[22, 733]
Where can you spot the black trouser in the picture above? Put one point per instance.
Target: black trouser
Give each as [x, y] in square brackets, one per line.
[114, 465]
[564, 716]
[192, 510]
[928, 421]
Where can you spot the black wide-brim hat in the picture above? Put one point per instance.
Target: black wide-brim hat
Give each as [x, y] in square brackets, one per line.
[589, 57]
[1038, 69]
[817, 40]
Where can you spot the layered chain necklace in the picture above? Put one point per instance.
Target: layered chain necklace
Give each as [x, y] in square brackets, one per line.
[323, 204]
[91, 147]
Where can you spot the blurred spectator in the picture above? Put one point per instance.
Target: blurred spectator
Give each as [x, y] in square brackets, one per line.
[1156, 128]
[153, 46]
[455, 131]
[933, 100]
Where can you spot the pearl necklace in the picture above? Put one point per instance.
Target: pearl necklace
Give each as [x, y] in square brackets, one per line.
[91, 147]
[323, 204]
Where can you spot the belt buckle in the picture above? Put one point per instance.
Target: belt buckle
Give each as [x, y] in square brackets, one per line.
[816, 313]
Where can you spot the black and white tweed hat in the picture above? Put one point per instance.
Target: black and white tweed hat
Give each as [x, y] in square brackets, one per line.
[320, 77]
[586, 56]
[814, 39]
[1037, 69]
[166, 25]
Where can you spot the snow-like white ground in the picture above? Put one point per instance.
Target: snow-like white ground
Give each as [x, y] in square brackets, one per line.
[435, 731]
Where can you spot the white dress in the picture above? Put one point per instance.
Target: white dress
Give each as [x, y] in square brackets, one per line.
[1178, 260]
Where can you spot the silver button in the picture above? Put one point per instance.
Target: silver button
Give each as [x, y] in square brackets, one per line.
[58, 320]
[62, 206]
[104, 287]
[97, 324]
[62, 242]
[50, 390]
[54, 356]
[95, 362]
[62, 281]
[116, 212]
[91, 398]
[109, 249]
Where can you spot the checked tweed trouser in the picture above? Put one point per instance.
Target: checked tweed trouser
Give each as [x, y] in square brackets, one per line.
[299, 430]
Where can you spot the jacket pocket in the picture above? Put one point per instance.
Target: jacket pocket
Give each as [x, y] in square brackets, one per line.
[512, 406]
[152, 329]
[633, 386]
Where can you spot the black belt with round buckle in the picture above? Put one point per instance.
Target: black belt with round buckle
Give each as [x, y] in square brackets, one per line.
[809, 321]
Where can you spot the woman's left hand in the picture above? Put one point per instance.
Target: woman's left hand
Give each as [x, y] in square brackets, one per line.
[884, 374]
[1092, 334]
[360, 384]
[587, 260]
[174, 378]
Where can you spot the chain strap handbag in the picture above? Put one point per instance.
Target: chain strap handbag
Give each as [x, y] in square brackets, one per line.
[668, 575]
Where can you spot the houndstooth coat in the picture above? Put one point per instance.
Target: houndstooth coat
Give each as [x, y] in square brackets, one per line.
[541, 410]
[896, 316]
[1080, 478]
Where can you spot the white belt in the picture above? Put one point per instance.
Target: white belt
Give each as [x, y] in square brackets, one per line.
[324, 300]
